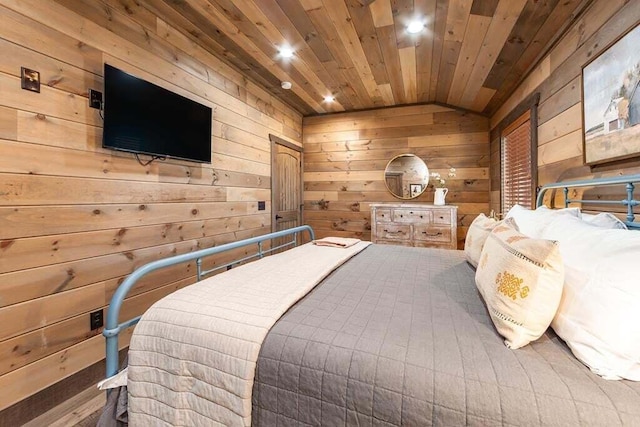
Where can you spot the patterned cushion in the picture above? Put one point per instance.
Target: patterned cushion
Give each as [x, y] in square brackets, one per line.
[521, 280]
[477, 234]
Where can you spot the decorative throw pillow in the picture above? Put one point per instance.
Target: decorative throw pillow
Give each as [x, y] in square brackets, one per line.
[599, 315]
[521, 281]
[476, 236]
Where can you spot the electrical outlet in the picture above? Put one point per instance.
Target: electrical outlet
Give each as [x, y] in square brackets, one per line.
[30, 79]
[96, 319]
[95, 99]
[262, 206]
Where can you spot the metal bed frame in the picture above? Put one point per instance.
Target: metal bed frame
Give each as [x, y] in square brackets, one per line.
[113, 327]
[628, 181]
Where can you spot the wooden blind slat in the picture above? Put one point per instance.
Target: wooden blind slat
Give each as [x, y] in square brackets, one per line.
[517, 164]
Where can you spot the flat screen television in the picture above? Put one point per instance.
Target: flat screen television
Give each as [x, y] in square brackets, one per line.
[141, 117]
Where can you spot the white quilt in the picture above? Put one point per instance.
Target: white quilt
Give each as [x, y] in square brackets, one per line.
[193, 355]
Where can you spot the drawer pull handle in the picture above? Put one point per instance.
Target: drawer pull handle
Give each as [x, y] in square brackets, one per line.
[421, 216]
[392, 232]
[432, 235]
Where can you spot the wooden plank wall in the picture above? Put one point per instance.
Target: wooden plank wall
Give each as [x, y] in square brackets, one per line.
[558, 80]
[76, 218]
[345, 156]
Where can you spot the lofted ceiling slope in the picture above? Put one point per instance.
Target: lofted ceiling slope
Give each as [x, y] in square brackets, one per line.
[471, 53]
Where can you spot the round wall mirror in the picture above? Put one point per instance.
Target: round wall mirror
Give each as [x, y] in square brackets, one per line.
[406, 176]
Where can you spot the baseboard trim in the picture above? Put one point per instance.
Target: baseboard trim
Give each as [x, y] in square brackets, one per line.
[73, 411]
[45, 400]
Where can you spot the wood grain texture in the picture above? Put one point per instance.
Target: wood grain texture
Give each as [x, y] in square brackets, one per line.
[560, 129]
[346, 154]
[531, 19]
[505, 17]
[469, 50]
[357, 51]
[80, 411]
[562, 14]
[78, 218]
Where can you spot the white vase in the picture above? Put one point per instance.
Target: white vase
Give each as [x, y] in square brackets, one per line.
[438, 198]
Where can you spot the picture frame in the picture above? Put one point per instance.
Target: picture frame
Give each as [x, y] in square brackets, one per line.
[611, 102]
[415, 190]
[30, 79]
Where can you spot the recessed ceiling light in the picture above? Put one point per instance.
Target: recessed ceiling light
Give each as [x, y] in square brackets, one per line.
[415, 27]
[286, 52]
[329, 98]
[285, 85]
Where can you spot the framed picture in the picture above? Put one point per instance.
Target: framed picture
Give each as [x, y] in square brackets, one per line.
[611, 102]
[30, 79]
[415, 189]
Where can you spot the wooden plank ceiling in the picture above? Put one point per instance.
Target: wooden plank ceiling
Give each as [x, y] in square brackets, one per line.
[471, 53]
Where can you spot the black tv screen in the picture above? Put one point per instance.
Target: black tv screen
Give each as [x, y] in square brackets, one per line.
[141, 117]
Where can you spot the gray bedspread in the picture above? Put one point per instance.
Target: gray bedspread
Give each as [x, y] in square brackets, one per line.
[400, 336]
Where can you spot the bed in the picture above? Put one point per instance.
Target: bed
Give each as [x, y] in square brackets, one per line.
[389, 335]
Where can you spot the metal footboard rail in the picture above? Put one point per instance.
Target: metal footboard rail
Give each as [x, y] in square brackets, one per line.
[113, 328]
[627, 180]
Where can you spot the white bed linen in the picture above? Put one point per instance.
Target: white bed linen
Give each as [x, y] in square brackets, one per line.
[192, 357]
[598, 316]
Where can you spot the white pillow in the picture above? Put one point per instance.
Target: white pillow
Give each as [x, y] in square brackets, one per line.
[532, 222]
[476, 236]
[568, 231]
[603, 220]
[599, 313]
[520, 280]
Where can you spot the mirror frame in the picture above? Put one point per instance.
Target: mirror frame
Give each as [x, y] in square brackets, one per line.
[424, 186]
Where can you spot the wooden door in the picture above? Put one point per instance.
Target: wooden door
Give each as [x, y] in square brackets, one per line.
[394, 183]
[286, 184]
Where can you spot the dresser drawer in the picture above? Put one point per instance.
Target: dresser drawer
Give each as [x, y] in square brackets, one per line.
[383, 215]
[393, 231]
[397, 243]
[432, 234]
[441, 216]
[411, 216]
[414, 224]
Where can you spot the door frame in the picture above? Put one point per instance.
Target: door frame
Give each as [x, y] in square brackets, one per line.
[276, 140]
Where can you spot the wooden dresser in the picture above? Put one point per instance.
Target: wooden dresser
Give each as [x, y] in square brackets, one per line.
[414, 224]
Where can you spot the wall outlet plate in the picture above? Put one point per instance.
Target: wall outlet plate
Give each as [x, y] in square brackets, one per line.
[262, 205]
[30, 79]
[95, 99]
[96, 319]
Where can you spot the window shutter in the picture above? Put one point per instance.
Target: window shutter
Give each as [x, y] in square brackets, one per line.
[517, 176]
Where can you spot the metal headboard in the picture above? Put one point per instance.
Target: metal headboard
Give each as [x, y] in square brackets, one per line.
[627, 180]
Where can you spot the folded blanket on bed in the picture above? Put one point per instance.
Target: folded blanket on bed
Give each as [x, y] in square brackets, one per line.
[336, 242]
[193, 355]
